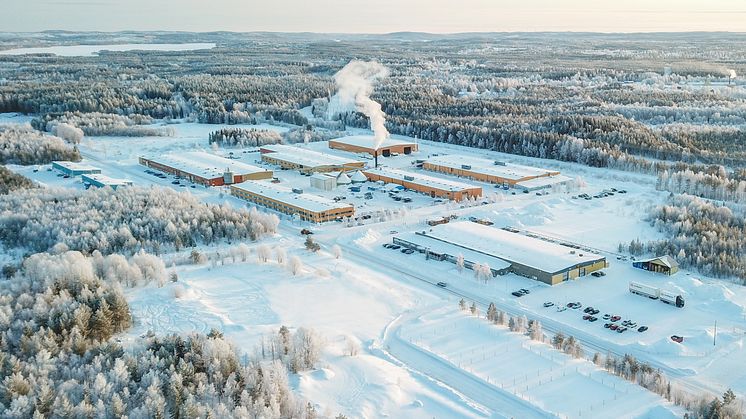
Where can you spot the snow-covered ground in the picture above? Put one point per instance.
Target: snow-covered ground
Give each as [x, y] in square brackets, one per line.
[90, 50]
[383, 298]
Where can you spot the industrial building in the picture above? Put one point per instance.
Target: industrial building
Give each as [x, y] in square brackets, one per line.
[531, 257]
[307, 207]
[366, 144]
[324, 181]
[485, 170]
[307, 161]
[75, 169]
[433, 186]
[662, 264]
[544, 182]
[204, 168]
[101, 181]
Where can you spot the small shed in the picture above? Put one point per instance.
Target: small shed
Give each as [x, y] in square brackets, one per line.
[661, 264]
[323, 181]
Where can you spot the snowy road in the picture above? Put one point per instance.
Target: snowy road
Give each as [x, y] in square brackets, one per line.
[498, 402]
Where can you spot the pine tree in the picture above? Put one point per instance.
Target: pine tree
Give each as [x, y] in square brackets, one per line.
[462, 304]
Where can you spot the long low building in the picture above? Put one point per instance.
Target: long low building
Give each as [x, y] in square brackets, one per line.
[430, 185]
[307, 206]
[440, 250]
[492, 171]
[307, 161]
[531, 257]
[366, 144]
[75, 169]
[101, 181]
[207, 169]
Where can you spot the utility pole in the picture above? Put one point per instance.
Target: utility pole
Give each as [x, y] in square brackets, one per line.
[714, 337]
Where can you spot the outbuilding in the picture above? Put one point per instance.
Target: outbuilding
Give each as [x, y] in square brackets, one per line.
[662, 264]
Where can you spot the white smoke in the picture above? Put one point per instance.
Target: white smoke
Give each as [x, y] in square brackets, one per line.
[732, 74]
[355, 84]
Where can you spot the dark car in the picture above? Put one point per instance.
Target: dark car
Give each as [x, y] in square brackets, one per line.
[306, 232]
[395, 247]
[548, 304]
[598, 274]
[593, 319]
[642, 329]
[607, 325]
[677, 339]
[442, 284]
[621, 329]
[594, 311]
[517, 294]
[407, 251]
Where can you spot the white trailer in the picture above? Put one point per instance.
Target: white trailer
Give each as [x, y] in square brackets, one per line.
[644, 290]
[671, 298]
[656, 293]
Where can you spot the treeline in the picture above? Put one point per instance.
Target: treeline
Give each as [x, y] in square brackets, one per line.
[21, 144]
[701, 234]
[125, 220]
[715, 184]
[10, 181]
[57, 358]
[98, 124]
[244, 137]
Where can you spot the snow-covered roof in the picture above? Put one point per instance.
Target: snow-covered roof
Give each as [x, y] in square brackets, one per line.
[369, 141]
[358, 177]
[343, 179]
[105, 180]
[421, 179]
[305, 157]
[323, 176]
[439, 246]
[310, 202]
[665, 259]
[78, 167]
[205, 165]
[488, 167]
[543, 182]
[512, 247]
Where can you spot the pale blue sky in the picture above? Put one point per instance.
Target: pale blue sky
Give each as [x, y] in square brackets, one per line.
[375, 16]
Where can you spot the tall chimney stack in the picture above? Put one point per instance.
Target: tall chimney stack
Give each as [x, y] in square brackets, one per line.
[375, 155]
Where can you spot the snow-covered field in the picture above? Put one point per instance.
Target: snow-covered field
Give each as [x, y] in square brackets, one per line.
[90, 50]
[419, 356]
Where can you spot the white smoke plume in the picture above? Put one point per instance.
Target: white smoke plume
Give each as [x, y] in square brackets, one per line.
[355, 85]
[732, 74]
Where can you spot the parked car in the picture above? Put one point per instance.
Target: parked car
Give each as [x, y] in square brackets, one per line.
[586, 317]
[407, 251]
[395, 247]
[607, 316]
[614, 327]
[548, 304]
[677, 339]
[517, 294]
[615, 318]
[621, 329]
[593, 319]
[442, 284]
[561, 309]
[642, 329]
[588, 309]
[306, 232]
[607, 325]
[594, 311]
[598, 274]
[525, 291]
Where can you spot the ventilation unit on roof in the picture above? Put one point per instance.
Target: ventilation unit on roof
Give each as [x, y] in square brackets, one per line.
[297, 190]
[466, 166]
[409, 178]
[499, 163]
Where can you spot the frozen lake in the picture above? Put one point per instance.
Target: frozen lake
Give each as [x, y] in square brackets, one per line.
[91, 50]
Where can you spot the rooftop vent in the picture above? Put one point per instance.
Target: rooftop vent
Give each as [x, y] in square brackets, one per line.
[466, 166]
[409, 178]
[499, 163]
[297, 190]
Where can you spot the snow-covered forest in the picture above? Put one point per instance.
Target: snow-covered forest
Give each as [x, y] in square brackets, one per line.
[57, 358]
[703, 234]
[97, 123]
[243, 137]
[10, 181]
[125, 220]
[24, 145]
